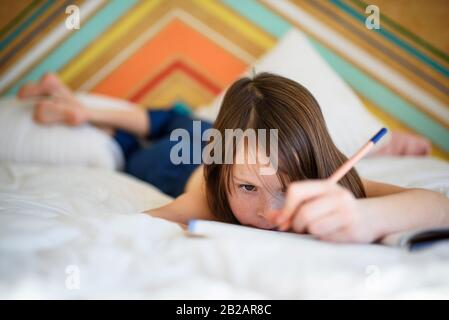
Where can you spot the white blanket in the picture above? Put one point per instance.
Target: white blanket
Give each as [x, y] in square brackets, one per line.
[78, 233]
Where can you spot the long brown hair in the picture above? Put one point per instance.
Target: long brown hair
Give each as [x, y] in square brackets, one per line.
[305, 148]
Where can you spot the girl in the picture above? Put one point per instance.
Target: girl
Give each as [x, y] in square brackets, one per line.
[354, 210]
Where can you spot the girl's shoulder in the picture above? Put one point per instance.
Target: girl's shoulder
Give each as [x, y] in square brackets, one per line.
[196, 181]
[192, 204]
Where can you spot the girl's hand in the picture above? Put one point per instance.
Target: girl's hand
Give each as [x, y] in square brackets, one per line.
[325, 210]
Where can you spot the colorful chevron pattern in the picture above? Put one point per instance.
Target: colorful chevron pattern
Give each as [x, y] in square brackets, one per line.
[157, 52]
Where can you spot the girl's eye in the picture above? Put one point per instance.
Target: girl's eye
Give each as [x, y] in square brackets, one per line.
[247, 187]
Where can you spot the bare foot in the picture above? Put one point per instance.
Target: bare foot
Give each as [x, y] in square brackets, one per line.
[28, 90]
[59, 110]
[406, 144]
[48, 85]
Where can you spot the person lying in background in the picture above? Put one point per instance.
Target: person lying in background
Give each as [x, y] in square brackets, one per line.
[354, 210]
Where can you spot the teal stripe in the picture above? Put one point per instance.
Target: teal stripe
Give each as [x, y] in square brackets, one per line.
[404, 45]
[261, 16]
[369, 87]
[386, 99]
[13, 35]
[22, 14]
[79, 40]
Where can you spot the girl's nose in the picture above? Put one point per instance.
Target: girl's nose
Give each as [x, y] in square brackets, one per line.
[264, 209]
[272, 204]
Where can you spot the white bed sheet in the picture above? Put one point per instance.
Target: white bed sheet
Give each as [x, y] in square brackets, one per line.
[61, 225]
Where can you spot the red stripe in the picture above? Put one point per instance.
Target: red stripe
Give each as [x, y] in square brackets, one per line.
[177, 65]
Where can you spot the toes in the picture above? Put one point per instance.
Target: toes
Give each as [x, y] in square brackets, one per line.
[40, 113]
[49, 85]
[54, 85]
[75, 116]
[72, 118]
[29, 89]
[49, 77]
[53, 110]
[49, 80]
[47, 111]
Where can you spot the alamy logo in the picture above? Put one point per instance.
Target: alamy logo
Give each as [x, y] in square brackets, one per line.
[373, 20]
[73, 20]
[72, 281]
[250, 147]
[373, 277]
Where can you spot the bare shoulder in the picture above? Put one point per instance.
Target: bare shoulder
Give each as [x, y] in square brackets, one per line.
[196, 181]
[192, 204]
[379, 189]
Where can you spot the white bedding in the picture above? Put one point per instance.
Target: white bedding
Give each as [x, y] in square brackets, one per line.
[58, 226]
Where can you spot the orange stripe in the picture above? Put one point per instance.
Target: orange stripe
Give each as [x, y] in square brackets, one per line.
[176, 39]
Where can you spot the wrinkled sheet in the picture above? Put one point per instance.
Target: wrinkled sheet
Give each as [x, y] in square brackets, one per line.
[79, 233]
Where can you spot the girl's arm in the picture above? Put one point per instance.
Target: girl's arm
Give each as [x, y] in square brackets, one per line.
[331, 212]
[394, 209]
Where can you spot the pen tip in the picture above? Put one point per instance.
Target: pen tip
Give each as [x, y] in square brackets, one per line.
[191, 226]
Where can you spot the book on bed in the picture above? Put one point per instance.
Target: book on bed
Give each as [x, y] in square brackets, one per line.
[411, 240]
[417, 239]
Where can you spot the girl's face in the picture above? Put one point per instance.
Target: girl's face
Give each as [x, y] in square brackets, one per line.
[253, 196]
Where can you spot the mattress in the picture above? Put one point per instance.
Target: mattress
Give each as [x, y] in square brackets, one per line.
[68, 232]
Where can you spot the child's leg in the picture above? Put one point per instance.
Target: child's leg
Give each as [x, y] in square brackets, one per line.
[161, 123]
[70, 112]
[58, 104]
[134, 120]
[153, 164]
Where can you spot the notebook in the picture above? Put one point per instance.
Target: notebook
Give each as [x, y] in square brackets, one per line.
[411, 240]
[417, 239]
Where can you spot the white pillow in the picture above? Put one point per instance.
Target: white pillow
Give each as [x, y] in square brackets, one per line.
[350, 124]
[22, 140]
